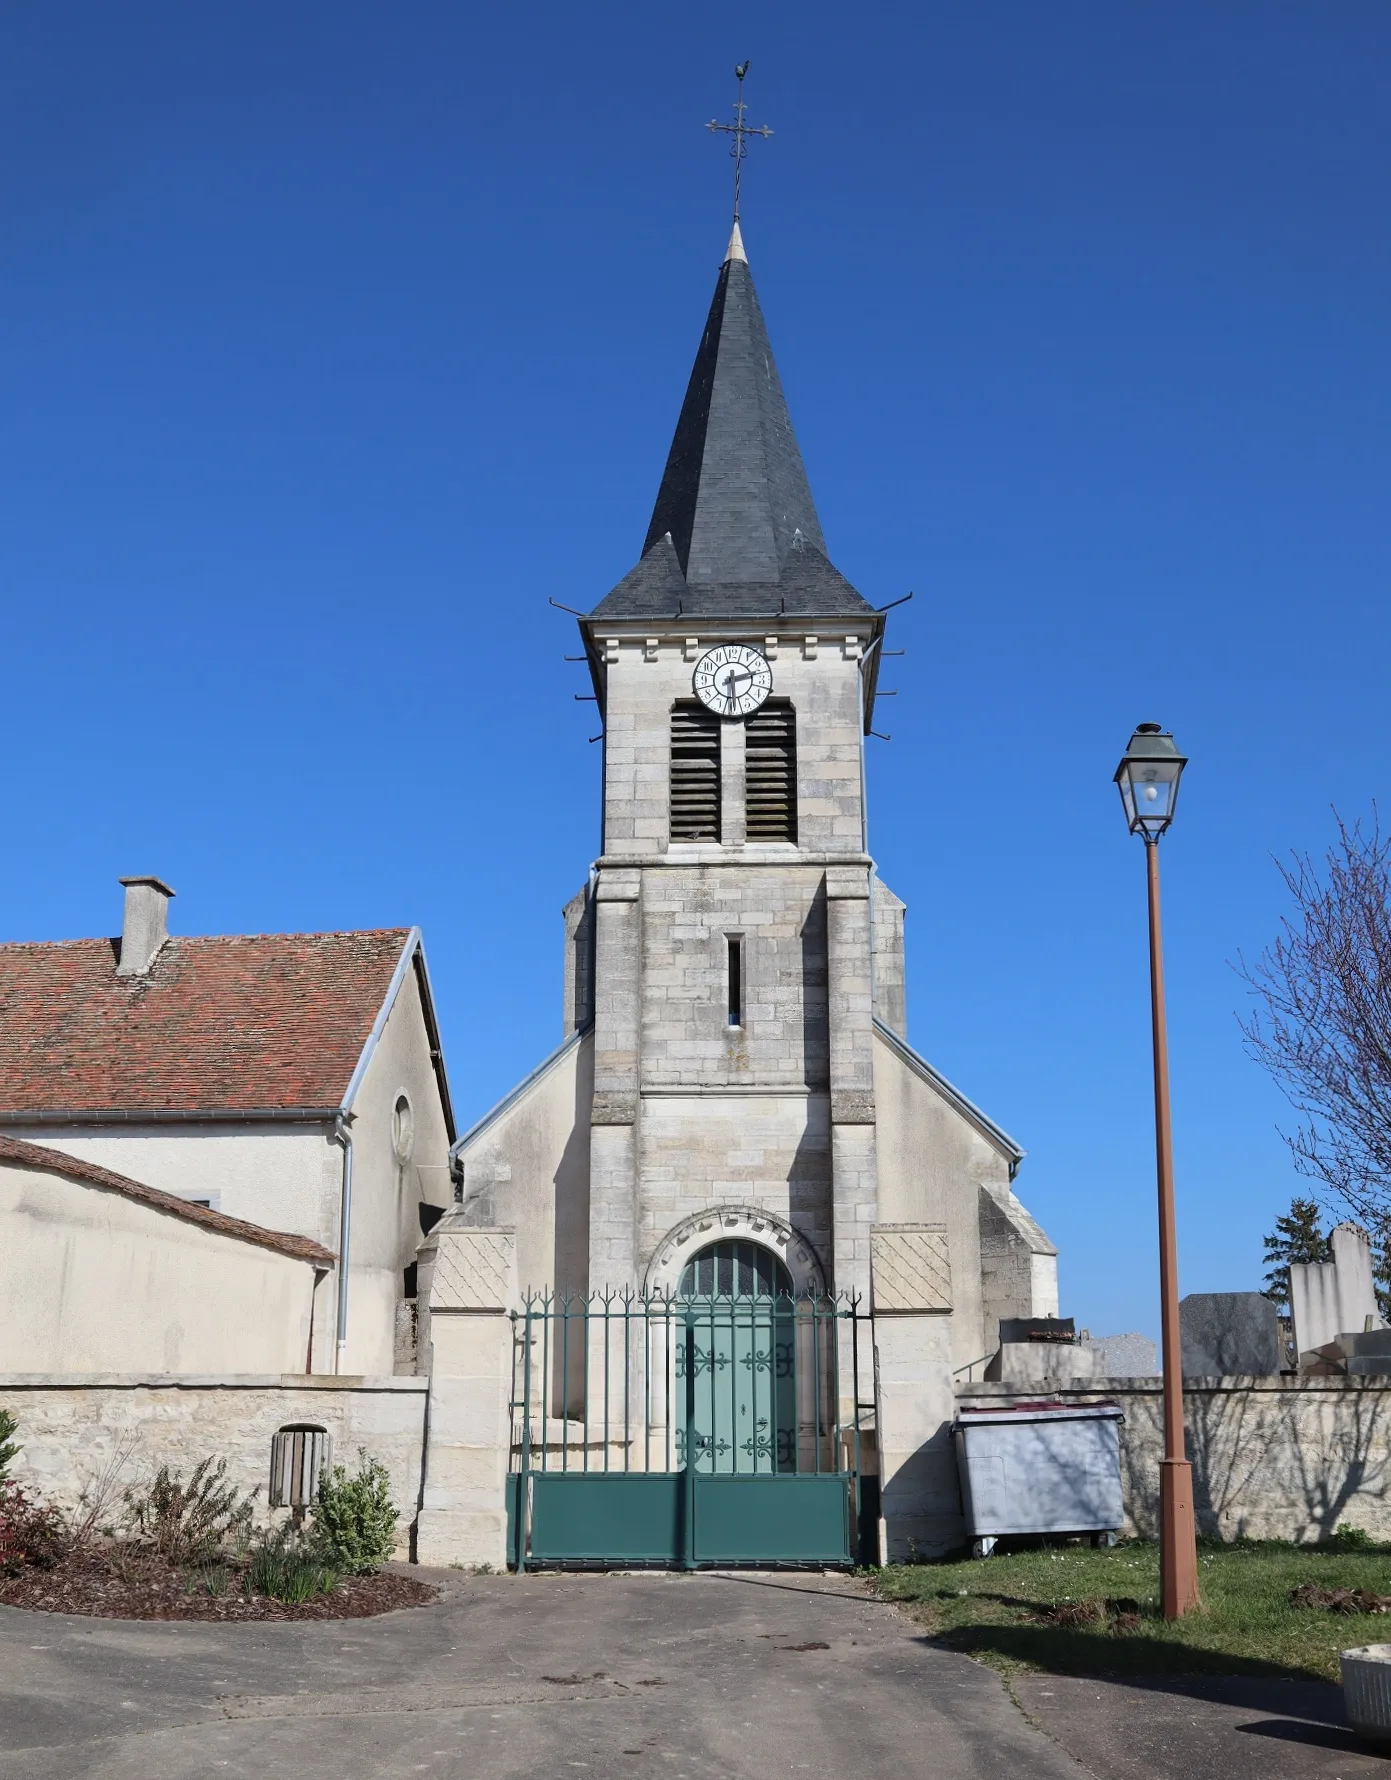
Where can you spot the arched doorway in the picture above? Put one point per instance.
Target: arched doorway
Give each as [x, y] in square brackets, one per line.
[742, 1341]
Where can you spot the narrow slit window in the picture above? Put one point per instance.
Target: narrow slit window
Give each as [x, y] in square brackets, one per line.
[770, 773]
[736, 979]
[695, 773]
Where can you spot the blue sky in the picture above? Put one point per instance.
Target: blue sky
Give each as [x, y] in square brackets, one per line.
[335, 339]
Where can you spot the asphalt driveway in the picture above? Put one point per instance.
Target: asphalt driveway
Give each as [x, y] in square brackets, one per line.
[543, 1676]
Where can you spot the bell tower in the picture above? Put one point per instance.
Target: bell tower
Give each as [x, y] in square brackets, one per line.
[729, 929]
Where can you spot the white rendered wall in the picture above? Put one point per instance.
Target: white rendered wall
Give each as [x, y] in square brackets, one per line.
[386, 1192]
[283, 1177]
[94, 1282]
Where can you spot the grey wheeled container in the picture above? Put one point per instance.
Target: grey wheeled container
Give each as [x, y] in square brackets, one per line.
[1039, 1468]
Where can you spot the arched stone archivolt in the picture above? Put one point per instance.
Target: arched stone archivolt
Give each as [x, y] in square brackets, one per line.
[735, 1223]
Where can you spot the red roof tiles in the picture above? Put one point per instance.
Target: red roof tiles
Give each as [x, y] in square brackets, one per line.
[230, 1024]
[33, 1155]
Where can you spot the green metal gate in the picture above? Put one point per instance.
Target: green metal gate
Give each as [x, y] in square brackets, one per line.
[710, 1427]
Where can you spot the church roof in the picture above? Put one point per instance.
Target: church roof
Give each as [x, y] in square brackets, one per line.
[734, 532]
[231, 1025]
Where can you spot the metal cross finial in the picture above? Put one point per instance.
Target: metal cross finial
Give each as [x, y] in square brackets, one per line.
[739, 130]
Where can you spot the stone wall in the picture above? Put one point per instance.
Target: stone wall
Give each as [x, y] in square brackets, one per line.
[71, 1428]
[1273, 1458]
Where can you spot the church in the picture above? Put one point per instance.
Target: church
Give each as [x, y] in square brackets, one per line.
[702, 1289]
[735, 1105]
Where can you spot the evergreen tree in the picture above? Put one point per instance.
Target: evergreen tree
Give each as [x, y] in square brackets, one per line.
[1381, 1270]
[1297, 1239]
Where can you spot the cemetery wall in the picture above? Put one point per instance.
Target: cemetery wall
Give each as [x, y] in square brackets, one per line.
[72, 1429]
[1273, 1458]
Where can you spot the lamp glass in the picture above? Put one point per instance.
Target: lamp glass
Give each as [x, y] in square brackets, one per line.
[1149, 792]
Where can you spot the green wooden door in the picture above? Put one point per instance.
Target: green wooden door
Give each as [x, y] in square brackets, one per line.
[744, 1347]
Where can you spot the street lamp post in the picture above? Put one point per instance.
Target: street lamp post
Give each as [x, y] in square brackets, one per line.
[1148, 777]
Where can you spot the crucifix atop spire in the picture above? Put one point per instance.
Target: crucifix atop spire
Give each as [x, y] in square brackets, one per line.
[739, 130]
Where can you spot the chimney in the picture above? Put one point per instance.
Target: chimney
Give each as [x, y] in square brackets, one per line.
[145, 927]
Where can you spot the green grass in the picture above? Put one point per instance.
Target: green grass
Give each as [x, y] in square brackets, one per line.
[1246, 1625]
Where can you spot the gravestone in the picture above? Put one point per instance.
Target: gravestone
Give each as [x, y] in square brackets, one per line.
[1229, 1334]
[1333, 1298]
[1123, 1356]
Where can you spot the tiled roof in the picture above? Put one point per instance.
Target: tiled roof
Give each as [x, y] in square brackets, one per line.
[232, 1024]
[49, 1161]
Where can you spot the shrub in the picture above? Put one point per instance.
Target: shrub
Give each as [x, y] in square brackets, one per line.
[9, 1446]
[355, 1518]
[189, 1523]
[30, 1532]
[207, 1579]
[287, 1566]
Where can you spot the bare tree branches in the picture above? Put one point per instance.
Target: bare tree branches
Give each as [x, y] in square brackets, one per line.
[1322, 1020]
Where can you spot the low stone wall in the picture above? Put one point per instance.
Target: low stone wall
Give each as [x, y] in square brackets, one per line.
[1273, 1458]
[73, 1427]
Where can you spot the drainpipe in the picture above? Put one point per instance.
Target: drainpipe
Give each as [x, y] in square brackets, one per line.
[345, 1226]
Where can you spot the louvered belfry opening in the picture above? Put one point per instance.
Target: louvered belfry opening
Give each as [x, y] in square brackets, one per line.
[695, 772]
[770, 773]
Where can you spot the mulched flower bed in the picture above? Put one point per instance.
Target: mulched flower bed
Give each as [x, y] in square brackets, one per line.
[111, 1583]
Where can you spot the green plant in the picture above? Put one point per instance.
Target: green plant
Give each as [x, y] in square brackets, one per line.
[1027, 1609]
[1297, 1238]
[1351, 1538]
[9, 1447]
[287, 1566]
[189, 1523]
[355, 1518]
[207, 1579]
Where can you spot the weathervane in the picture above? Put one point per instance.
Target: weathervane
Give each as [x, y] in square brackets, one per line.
[739, 130]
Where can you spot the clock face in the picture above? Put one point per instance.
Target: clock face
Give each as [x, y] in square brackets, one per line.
[732, 680]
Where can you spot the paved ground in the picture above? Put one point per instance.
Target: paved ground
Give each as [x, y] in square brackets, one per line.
[603, 1675]
[1190, 1726]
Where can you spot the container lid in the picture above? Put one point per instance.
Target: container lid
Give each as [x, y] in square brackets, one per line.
[979, 1413]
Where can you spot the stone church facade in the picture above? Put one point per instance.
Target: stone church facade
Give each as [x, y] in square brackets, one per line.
[735, 1062]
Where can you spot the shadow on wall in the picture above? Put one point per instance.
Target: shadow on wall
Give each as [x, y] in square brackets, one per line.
[571, 1181]
[1267, 1464]
[816, 1042]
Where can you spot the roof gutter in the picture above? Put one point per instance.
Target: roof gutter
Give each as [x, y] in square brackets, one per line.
[216, 1115]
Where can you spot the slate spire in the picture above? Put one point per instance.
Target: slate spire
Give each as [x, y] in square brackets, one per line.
[734, 533]
[734, 495]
